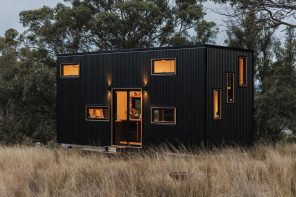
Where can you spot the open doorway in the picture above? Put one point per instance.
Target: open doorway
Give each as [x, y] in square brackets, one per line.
[127, 117]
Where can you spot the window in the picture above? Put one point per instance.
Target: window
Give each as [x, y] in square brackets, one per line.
[70, 70]
[242, 71]
[230, 87]
[163, 115]
[217, 104]
[97, 113]
[163, 66]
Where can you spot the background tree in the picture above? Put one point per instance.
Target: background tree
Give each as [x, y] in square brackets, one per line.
[276, 107]
[92, 25]
[278, 12]
[27, 93]
[275, 67]
[27, 61]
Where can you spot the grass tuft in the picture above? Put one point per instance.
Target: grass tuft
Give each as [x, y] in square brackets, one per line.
[263, 170]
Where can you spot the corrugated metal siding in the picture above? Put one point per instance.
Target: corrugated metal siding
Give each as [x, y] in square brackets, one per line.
[127, 70]
[184, 91]
[236, 125]
[199, 70]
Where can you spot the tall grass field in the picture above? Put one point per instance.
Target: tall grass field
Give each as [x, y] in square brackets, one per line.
[262, 170]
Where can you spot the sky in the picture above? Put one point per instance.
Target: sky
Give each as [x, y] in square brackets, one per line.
[10, 9]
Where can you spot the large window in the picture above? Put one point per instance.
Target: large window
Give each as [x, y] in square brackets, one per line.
[97, 113]
[217, 104]
[163, 66]
[242, 71]
[230, 87]
[70, 70]
[163, 115]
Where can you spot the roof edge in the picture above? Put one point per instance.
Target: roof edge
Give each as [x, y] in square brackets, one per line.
[157, 48]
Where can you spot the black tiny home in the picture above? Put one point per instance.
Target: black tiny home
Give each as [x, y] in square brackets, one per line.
[189, 95]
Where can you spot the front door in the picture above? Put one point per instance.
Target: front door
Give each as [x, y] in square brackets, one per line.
[127, 117]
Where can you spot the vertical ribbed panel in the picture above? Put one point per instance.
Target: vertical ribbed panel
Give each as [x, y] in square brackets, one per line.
[198, 71]
[236, 125]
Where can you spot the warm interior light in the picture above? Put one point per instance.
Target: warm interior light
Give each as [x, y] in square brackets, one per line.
[121, 97]
[96, 113]
[242, 71]
[70, 70]
[217, 104]
[164, 66]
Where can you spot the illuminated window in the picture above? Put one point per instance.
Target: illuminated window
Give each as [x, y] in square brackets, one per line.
[242, 71]
[163, 115]
[217, 104]
[230, 87]
[97, 113]
[70, 70]
[163, 66]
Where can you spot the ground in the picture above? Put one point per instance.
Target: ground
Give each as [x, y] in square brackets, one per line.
[262, 170]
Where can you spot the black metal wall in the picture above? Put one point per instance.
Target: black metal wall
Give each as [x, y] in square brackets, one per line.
[236, 125]
[189, 91]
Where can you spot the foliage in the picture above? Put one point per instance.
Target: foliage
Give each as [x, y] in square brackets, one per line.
[27, 66]
[276, 107]
[27, 93]
[275, 68]
[92, 25]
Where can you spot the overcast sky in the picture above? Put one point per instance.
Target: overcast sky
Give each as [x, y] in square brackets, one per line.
[10, 9]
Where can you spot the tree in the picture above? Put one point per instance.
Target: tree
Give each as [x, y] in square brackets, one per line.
[92, 25]
[276, 107]
[62, 29]
[246, 30]
[277, 11]
[27, 93]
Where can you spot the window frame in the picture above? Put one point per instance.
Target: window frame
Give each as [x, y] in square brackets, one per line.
[163, 122]
[233, 90]
[69, 76]
[245, 70]
[220, 104]
[97, 106]
[163, 74]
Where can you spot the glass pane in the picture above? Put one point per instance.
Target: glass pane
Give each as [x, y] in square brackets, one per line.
[163, 115]
[97, 113]
[230, 88]
[164, 66]
[156, 115]
[217, 104]
[135, 104]
[242, 71]
[169, 115]
[121, 111]
[70, 70]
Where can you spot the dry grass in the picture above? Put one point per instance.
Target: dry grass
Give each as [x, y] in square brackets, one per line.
[259, 171]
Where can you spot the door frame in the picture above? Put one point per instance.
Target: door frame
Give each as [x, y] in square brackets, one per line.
[112, 115]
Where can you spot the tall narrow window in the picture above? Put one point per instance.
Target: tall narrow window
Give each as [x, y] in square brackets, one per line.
[163, 115]
[242, 71]
[217, 104]
[163, 66]
[230, 87]
[97, 113]
[70, 70]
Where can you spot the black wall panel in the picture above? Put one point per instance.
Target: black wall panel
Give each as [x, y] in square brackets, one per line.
[199, 70]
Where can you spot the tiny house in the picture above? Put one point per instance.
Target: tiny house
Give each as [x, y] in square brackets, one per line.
[189, 95]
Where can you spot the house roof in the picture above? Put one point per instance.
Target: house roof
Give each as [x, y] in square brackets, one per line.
[155, 49]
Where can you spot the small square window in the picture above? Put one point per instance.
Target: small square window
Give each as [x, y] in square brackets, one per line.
[163, 115]
[97, 113]
[70, 70]
[163, 66]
